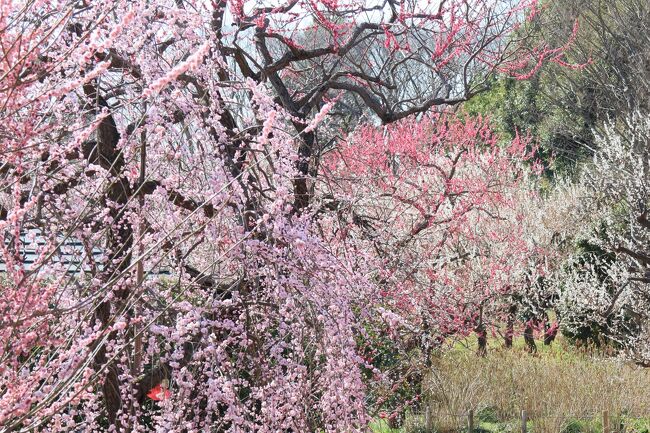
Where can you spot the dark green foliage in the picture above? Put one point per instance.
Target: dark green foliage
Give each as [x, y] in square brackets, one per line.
[561, 106]
[488, 414]
[573, 426]
[401, 366]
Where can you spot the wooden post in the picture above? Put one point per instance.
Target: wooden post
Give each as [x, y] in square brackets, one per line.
[428, 420]
[606, 428]
[470, 421]
[524, 420]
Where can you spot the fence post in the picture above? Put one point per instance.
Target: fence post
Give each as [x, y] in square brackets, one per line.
[470, 421]
[524, 420]
[606, 422]
[428, 421]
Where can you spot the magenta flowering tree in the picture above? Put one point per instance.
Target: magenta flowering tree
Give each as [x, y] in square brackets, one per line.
[437, 202]
[159, 167]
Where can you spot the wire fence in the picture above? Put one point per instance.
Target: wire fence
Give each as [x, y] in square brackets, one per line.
[432, 420]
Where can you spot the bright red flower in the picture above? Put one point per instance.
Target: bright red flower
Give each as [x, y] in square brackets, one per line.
[159, 393]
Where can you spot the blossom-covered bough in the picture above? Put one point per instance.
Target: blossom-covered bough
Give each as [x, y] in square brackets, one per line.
[608, 289]
[190, 135]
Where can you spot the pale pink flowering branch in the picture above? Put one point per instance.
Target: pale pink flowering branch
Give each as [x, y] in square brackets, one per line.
[320, 116]
[191, 63]
[97, 45]
[267, 128]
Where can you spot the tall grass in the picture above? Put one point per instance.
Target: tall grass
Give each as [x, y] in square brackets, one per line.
[557, 388]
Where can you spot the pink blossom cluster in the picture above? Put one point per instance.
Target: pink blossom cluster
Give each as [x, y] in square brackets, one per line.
[191, 63]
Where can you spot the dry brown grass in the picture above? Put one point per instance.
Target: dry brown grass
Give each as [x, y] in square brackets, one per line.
[553, 387]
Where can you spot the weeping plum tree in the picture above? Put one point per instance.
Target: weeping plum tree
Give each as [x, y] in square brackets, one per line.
[159, 160]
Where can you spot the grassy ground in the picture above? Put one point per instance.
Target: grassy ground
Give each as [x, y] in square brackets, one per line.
[562, 389]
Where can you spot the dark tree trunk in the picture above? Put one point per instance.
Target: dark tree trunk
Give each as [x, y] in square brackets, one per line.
[482, 340]
[529, 337]
[550, 333]
[510, 326]
[106, 153]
